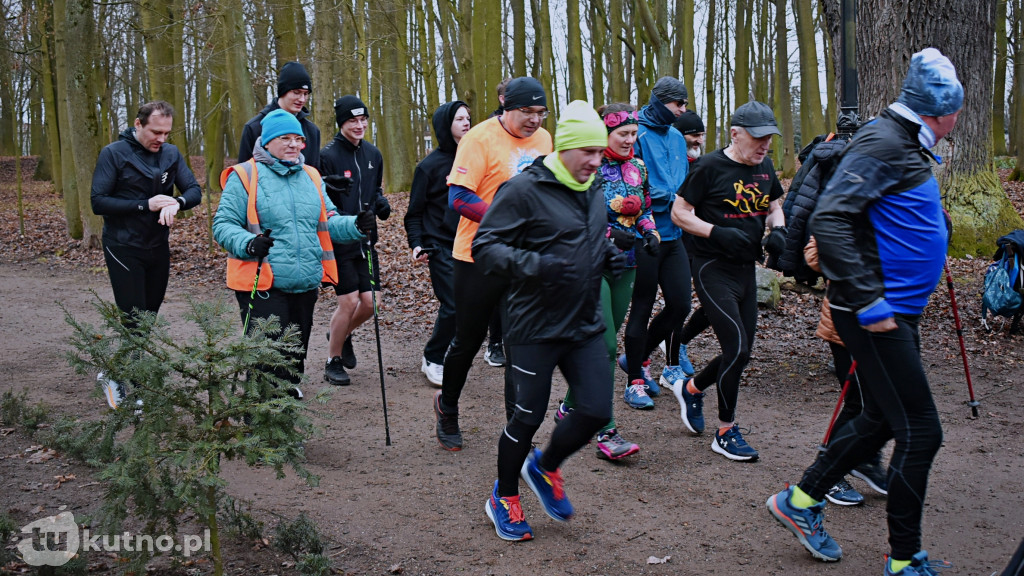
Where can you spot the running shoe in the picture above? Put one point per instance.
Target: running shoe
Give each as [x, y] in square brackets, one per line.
[495, 354]
[508, 518]
[548, 488]
[561, 412]
[691, 406]
[295, 392]
[843, 494]
[670, 374]
[334, 372]
[733, 446]
[348, 353]
[611, 446]
[636, 396]
[650, 383]
[684, 361]
[805, 524]
[113, 391]
[448, 433]
[874, 474]
[919, 566]
[433, 372]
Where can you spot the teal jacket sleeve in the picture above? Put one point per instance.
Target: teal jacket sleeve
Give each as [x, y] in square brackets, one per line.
[229, 221]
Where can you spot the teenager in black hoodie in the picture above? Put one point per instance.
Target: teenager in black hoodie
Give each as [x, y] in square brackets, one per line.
[430, 226]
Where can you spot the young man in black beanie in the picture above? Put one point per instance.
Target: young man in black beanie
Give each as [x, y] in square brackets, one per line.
[294, 87]
[353, 170]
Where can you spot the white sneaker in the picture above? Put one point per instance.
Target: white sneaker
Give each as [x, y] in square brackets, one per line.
[113, 391]
[433, 372]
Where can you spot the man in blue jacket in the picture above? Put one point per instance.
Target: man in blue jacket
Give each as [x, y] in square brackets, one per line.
[882, 240]
[133, 189]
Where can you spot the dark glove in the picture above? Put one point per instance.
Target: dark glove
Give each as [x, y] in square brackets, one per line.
[651, 243]
[623, 239]
[616, 264]
[381, 207]
[259, 246]
[775, 242]
[555, 271]
[732, 242]
[366, 223]
[338, 184]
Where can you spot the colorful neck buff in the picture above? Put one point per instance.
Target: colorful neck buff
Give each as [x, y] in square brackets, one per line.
[554, 163]
[613, 155]
[614, 120]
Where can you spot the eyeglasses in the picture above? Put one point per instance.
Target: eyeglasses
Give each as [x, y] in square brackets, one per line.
[532, 113]
[616, 119]
[292, 140]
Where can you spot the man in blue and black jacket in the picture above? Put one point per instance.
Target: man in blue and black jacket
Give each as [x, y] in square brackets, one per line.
[882, 239]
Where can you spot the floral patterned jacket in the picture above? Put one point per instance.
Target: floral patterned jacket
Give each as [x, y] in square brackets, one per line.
[627, 198]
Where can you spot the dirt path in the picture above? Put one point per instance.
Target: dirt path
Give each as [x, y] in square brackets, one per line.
[420, 508]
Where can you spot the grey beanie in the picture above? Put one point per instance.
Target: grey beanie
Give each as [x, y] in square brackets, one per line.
[931, 87]
[668, 89]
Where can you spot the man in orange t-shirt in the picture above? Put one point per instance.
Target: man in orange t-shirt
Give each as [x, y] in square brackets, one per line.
[488, 155]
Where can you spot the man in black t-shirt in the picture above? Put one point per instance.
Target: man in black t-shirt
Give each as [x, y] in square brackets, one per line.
[725, 203]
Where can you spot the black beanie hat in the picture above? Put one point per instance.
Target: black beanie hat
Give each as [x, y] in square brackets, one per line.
[524, 92]
[348, 107]
[668, 89]
[293, 76]
[689, 122]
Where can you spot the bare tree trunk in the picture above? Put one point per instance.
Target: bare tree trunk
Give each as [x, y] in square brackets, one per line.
[999, 89]
[69, 188]
[599, 41]
[243, 103]
[84, 128]
[831, 107]
[812, 122]
[741, 72]
[710, 121]
[326, 26]
[519, 38]
[49, 98]
[783, 99]
[574, 56]
[285, 30]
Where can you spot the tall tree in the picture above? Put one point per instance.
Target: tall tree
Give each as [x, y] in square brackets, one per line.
[243, 101]
[831, 106]
[574, 55]
[710, 120]
[45, 25]
[599, 43]
[326, 25]
[286, 31]
[685, 41]
[518, 8]
[744, 37]
[812, 122]
[999, 88]
[783, 99]
[69, 188]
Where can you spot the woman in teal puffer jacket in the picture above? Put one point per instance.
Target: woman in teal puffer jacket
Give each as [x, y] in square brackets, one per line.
[275, 218]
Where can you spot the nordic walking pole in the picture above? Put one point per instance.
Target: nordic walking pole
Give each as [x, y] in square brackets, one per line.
[255, 282]
[370, 253]
[839, 404]
[960, 335]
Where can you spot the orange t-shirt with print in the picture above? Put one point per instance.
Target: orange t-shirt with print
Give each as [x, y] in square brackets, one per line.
[488, 156]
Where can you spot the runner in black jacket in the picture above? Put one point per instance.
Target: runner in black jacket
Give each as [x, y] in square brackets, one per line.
[430, 224]
[293, 90]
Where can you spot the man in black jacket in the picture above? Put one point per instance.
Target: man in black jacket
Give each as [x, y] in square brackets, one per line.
[430, 226]
[293, 91]
[132, 188]
[353, 171]
[545, 233]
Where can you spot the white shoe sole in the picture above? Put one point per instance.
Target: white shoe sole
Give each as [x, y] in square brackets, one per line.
[426, 372]
[677, 391]
[719, 450]
[870, 484]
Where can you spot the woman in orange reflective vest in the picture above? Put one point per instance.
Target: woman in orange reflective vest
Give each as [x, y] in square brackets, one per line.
[276, 192]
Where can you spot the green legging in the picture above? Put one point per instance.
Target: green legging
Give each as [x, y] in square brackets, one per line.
[615, 297]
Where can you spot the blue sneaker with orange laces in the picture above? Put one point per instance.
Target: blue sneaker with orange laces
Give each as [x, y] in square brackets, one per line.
[805, 524]
[507, 516]
[548, 488]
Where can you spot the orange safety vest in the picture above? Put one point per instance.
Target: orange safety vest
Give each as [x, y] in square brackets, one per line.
[242, 271]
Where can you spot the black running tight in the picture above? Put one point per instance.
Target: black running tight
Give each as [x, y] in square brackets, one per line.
[671, 270]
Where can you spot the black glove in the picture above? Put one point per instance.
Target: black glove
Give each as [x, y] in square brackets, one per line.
[339, 184]
[616, 264]
[259, 246]
[381, 207]
[623, 239]
[732, 242]
[775, 242]
[366, 223]
[555, 271]
[651, 243]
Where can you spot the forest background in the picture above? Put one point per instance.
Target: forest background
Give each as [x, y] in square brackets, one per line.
[73, 72]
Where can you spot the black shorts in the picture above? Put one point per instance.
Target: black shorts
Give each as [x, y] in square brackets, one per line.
[354, 274]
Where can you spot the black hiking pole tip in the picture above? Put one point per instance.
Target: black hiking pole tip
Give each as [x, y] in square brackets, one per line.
[370, 254]
[960, 336]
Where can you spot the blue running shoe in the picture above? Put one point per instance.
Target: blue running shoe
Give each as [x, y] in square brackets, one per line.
[548, 488]
[876, 475]
[507, 516]
[806, 525]
[919, 566]
[684, 362]
[636, 396]
[691, 406]
[733, 446]
[843, 494]
[650, 384]
[669, 375]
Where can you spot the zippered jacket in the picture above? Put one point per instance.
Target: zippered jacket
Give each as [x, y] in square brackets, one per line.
[429, 221]
[253, 129]
[663, 149]
[365, 166]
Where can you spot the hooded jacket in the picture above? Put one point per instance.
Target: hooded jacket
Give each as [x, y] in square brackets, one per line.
[287, 203]
[534, 214]
[253, 129]
[879, 224]
[429, 220]
[127, 175]
[663, 149]
[365, 165]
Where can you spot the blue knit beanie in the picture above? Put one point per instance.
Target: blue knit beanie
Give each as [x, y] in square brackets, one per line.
[278, 123]
[931, 87]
